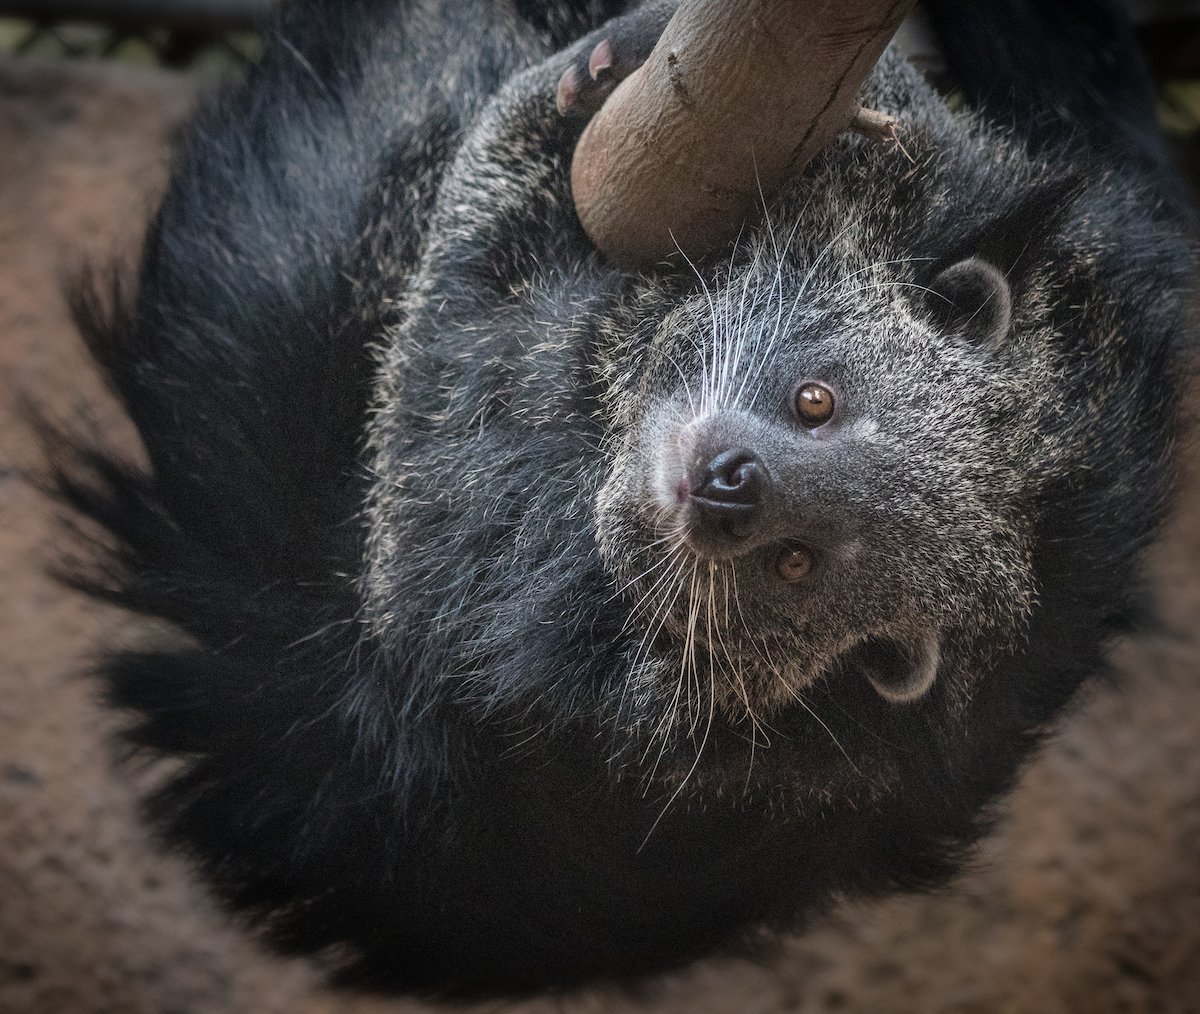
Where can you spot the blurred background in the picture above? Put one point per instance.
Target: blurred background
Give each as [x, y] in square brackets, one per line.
[1086, 899]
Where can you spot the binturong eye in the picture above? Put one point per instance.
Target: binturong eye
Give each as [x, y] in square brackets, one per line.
[814, 404]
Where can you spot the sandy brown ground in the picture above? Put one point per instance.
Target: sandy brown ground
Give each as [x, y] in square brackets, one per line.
[1088, 899]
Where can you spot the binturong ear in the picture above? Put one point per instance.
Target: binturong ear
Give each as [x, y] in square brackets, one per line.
[900, 673]
[972, 298]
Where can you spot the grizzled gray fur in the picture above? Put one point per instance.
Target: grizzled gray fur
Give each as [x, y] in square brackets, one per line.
[541, 622]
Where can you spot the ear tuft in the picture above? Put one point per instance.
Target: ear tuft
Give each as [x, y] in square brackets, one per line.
[972, 298]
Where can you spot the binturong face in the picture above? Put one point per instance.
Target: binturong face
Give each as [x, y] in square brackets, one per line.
[823, 476]
[888, 467]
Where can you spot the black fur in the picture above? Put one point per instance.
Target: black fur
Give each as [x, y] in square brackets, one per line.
[382, 380]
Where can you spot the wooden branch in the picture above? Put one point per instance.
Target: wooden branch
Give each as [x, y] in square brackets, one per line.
[737, 94]
[874, 125]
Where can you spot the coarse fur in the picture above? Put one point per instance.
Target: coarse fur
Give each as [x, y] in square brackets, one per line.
[457, 699]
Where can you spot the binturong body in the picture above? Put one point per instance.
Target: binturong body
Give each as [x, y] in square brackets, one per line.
[542, 622]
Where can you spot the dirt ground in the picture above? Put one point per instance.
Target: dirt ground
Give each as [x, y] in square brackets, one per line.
[1087, 899]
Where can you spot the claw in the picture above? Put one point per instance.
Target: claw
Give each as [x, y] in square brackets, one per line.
[567, 94]
[601, 61]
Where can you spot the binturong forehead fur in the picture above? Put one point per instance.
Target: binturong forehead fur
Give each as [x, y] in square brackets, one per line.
[948, 500]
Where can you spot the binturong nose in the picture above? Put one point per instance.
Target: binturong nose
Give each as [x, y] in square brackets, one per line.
[727, 493]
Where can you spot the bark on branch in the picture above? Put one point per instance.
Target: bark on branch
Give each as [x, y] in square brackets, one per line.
[737, 94]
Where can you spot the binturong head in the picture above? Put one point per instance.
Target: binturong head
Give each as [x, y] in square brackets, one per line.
[823, 479]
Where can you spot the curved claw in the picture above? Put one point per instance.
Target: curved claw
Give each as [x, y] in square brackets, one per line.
[602, 60]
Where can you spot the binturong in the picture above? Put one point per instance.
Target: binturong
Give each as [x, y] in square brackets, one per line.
[540, 621]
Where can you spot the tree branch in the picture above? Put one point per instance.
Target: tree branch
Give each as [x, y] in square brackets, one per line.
[738, 95]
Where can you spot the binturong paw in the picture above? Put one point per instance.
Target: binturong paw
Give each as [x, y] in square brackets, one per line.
[606, 59]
